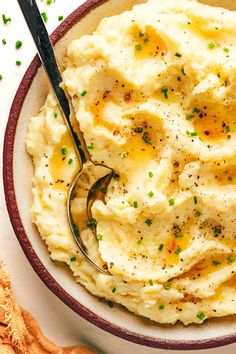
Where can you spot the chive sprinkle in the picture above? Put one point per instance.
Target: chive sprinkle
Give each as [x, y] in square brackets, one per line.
[70, 161]
[49, 2]
[138, 47]
[189, 116]
[150, 174]
[230, 179]
[146, 139]
[161, 307]
[161, 247]
[211, 45]
[141, 34]
[114, 290]
[151, 194]
[151, 282]
[195, 199]
[60, 18]
[167, 287]
[100, 237]
[135, 204]
[90, 147]
[64, 151]
[230, 259]
[18, 62]
[226, 50]
[148, 222]
[0, 77]
[188, 133]
[201, 316]
[18, 44]
[178, 55]
[146, 40]
[165, 90]
[196, 110]
[110, 304]
[179, 235]
[178, 250]
[217, 230]
[216, 263]
[5, 19]
[73, 259]
[4, 42]
[198, 214]
[91, 223]
[44, 16]
[171, 202]
[84, 93]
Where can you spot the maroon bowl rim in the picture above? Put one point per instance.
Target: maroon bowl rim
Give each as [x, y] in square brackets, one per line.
[21, 235]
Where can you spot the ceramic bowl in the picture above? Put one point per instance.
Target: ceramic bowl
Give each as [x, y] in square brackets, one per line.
[18, 172]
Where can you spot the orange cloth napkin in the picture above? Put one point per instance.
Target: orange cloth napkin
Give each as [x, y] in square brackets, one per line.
[19, 332]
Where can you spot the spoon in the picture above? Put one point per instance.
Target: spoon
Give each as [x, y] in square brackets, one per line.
[104, 174]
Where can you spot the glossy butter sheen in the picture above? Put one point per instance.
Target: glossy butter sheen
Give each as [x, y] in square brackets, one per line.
[154, 92]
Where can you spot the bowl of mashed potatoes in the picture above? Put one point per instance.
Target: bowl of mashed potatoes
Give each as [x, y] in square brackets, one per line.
[152, 85]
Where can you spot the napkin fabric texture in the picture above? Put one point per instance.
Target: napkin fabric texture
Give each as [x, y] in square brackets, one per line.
[19, 332]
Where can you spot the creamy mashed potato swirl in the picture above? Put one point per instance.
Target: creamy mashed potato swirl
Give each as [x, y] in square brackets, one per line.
[154, 90]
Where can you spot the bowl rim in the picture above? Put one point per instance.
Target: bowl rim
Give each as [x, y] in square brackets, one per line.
[11, 203]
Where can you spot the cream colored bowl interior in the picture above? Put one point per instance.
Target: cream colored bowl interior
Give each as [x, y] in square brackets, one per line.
[22, 178]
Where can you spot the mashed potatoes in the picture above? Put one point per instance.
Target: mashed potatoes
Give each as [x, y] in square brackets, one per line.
[154, 90]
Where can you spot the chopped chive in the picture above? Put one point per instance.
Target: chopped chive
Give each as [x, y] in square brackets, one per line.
[49, 2]
[76, 230]
[139, 241]
[216, 263]
[178, 250]
[91, 223]
[18, 62]
[227, 128]
[167, 287]
[73, 259]
[0, 77]
[165, 90]
[171, 202]
[135, 204]
[198, 214]
[151, 194]
[146, 139]
[196, 110]
[211, 45]
[114, 290]
[226, 50]
[230, 179]
[150, 174]
[110, 304]
[4, 42]
[70, 161]
[55, 115]
[195, 199]
[44, 16]
[90, 147]
[102, 299]
[201, 316]
[5, 19]
[169, 280]
[140, 129]
[217, 230]
[178, 55]
[188, 133]
[84, 93]
[64, 151]
[100, 237]
[138, 47]
[161, 307]
[161, 247]
[60, 18]
[189, 116]
[146, 40]
[141, 34]
[151, 282]
[148, 222]
[179, 235]
[230, 259]
[18, 44]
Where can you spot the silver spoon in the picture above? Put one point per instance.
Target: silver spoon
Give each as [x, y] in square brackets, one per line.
[97, 190]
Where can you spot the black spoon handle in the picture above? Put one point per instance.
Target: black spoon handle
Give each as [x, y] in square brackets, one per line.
[46, 53]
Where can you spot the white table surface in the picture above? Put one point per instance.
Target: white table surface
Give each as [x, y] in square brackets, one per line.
[60, 323]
